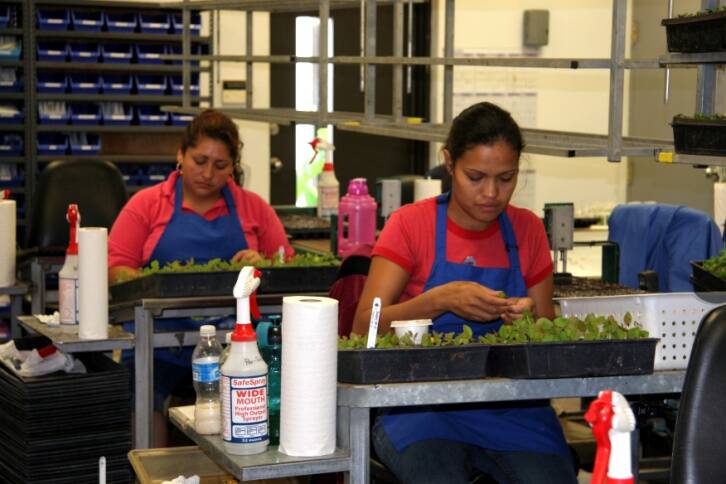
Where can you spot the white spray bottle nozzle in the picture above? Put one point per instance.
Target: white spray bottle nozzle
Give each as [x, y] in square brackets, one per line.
[246, 284]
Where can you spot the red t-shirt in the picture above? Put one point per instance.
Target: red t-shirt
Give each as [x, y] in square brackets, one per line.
[409, 237]
[142, 221]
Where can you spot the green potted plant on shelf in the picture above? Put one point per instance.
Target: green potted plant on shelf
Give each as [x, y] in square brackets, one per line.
[700, 135]
[698, 32]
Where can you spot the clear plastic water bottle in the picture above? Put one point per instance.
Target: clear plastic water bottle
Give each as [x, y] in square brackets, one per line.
[205, 373]
[274, 365]
[225, 351]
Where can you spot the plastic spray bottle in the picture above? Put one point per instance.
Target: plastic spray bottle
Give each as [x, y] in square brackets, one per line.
[68, 275]
[328, 186]
[244, 377]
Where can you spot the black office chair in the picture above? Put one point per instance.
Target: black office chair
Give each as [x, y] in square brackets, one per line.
[700, 439]
[96, 186]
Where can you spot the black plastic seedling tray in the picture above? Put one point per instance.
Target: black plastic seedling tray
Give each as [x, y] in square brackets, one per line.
[699, 33]
[395, 365]
[704, 280]
[274, 280]
[705, 137]
[573, 359]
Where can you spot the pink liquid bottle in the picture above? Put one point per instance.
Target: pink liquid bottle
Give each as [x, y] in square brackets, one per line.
[356, 217]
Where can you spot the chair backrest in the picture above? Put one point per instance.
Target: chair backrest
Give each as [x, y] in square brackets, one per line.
[348, 286]
[699, 446]
[96, 186]
[663, 238]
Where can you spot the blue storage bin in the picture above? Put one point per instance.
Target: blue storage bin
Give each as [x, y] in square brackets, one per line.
[53, 112]
[10, 80]
[85, 83]
[52, 144]
[12, 178]
[84, 52]
[177, 86]
[197, 49]
[52, 82]
[116, 53]
[52, 51]
[116, 84]
[84, 143]
[128, 173]
[121, 22]
[116, 114]
[158, 173]
[151, 84]
[151, 116]
[85, 114]
[11, 144]
[5, 16]
[53, 19]
[195, 24]
[154, 23]
[10, 47]
[149, 53]
[181, 119]
[85, 21]
[13, 118]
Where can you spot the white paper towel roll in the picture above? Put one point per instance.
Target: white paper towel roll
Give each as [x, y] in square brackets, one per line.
[719, 204]
[426, 188]
[7, 246]
[93, 283]
[309, 375]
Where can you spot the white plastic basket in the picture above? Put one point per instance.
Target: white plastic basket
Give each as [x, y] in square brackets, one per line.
[672, 317]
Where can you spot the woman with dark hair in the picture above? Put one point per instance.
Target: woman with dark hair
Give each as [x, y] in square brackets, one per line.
[198, 213]
[452, 259]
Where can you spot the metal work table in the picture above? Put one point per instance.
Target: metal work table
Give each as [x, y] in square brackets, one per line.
[267, 465]
[356, 401]
[65, 337]
[16, 293]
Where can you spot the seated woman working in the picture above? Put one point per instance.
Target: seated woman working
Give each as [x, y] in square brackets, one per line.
[450, 258]
[200, 213]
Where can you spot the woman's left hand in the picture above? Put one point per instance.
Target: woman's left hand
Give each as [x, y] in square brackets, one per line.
[517, 307]
[248, 255]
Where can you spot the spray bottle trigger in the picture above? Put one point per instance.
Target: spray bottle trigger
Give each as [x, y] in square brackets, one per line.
[254, 308]
[5, 195]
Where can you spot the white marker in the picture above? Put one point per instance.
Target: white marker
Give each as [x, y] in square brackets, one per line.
[373, 327]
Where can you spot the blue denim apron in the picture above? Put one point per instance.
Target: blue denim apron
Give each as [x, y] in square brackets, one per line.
[530, 427]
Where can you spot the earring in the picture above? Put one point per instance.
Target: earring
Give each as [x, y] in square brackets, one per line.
[178, 166]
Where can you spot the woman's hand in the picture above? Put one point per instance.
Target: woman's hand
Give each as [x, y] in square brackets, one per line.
[518, 305]
[248, 255]
[472, 301]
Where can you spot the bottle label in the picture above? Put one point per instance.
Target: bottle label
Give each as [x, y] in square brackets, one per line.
[244, 409]
[68, 300]
[207, 372]
[328, 201]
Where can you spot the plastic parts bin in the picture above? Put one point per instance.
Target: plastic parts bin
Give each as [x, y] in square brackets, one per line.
[151, 84]
[116, 53]
[52, 82]
[11, 176]
[53, 112]
[195, 24]
[53, 19]
[52, 51]
[10, 81]
[52, 144]
[121, 22]
[11, 114]
[85, 114]
[116, 84]
[154, 23]
[116, 114]
[151, 116]
[11, 144]
[181, 119]
[84, 52]
[84, 143]
[86, 21]
[149, 53]
[85, 83]
[5, 16]
[177, 86]
[197, 49]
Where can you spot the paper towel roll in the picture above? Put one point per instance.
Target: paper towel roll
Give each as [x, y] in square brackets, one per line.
[309, 375]
[93, 283]
[7, 246]
[426, 188]
[719, 204]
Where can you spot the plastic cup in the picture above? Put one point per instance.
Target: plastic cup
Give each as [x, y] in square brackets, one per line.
[417, 328]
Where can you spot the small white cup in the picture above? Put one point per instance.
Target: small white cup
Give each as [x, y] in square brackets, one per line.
[417, 327]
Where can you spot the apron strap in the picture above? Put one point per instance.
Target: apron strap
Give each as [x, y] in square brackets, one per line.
[442, 203]
[510, 240]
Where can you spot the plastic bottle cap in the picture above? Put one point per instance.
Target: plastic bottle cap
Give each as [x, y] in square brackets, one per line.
[207, 330]
[358, 186]
[244, 333]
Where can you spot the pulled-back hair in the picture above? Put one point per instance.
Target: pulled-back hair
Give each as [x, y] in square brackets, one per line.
[482, 124]
[217, 126]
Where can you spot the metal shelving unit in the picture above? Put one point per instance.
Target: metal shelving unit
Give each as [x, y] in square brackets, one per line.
[129, 98]
[118, 36]
[107, 129]
[135, 159]
[125, 68]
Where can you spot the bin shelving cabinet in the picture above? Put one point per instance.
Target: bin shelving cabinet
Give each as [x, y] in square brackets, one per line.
[114, 134]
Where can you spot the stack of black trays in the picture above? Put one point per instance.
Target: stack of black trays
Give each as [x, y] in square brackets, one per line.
[54, 428]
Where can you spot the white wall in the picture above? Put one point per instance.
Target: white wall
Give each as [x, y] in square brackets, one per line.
[572, 100]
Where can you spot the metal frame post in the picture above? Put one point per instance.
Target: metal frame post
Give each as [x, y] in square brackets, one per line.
[143, 378]
[186, 52]
[706, 80]
[360, 445]
[323, 60]
[617, 81]
[448, 54]
[370, 69]
[249, 66]
[31, 161]
[397, 68]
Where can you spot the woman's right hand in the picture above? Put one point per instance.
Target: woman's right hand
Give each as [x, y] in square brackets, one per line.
[471, 300]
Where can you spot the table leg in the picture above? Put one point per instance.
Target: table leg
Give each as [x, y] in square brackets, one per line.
[144, 377]
[37, 277]
[635, 453]
[360, 445]
[16, 308]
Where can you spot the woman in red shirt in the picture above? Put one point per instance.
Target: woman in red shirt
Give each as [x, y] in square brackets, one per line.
[450, 258]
